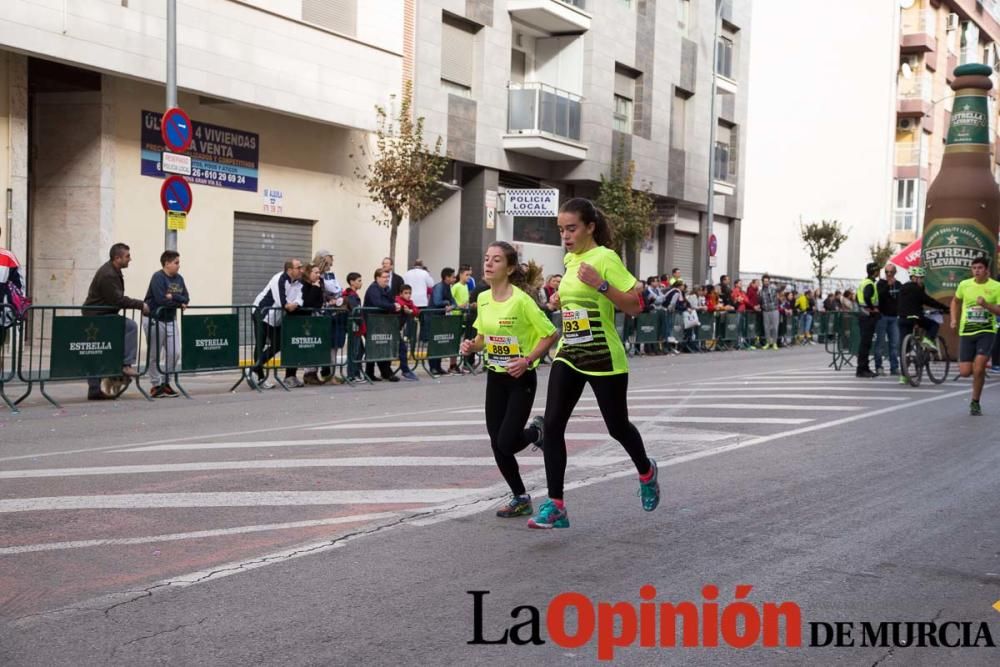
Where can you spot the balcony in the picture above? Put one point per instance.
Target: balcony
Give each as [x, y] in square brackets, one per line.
[911, 161]
[544, 122]
[918, 31]
[551, 16]
[915, 95]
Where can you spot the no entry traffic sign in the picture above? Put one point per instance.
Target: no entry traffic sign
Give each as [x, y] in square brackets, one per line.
[175, 195]
[175, 128]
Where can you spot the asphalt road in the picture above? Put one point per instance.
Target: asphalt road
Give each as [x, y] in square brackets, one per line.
[337, 526]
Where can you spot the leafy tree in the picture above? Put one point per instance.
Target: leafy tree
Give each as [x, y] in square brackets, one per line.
[822, 240]
[402, 173]
[629, 211]
[882, 251]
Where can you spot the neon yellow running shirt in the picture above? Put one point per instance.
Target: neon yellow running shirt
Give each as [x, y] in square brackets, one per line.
[975, 318]
[590, 342]
[510, 329]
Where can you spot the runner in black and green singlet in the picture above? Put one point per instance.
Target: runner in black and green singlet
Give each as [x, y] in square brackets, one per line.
[595, 283]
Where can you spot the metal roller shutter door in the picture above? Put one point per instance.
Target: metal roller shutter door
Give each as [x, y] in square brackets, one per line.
[260, 247]
[683, 256]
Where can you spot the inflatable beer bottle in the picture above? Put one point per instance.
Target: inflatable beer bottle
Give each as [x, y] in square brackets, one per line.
[963, 202]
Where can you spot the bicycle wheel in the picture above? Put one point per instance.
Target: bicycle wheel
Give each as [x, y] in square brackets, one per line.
[937, 362]
[912, 363]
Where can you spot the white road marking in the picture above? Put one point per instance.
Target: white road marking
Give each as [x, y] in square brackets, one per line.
[670, 407]
[347, 462]
[730, 386]
[329, 442]
[673, 397]
[194, 535]
[129, 501]
[677, 419]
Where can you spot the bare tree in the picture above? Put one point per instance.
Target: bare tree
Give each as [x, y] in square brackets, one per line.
[402, 175]
[629, 211]
[822, 240]
[882, 251]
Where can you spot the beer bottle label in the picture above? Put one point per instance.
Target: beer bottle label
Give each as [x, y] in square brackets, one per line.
[970, 120]
[950, 245]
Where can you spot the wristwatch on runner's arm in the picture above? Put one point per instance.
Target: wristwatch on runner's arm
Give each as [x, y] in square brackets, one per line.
[603, 287]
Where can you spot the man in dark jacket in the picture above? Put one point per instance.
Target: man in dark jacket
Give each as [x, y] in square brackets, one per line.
[378, 296]
[887, 327]
[108, 289]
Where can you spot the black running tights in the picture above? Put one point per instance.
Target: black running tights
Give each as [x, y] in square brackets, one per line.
[508, 406]
[565, 387]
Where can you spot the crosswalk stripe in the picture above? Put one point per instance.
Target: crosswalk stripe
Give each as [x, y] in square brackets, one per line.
[193, 535]
[672, 397]
[666, 433]
[346, 462]
[676, 419]
[771, 386]
[133, 501]
[706, 406]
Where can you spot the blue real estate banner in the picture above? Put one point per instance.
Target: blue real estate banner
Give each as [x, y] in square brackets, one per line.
[220, 156]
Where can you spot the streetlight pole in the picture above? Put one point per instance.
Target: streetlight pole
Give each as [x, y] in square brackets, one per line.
[710, 213]
[170, 235]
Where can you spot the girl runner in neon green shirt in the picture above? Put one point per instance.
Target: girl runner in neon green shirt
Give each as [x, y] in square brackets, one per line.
[514, 335]
[595, 283]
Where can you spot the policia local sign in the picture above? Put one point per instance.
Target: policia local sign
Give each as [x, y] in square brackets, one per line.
[532, 203]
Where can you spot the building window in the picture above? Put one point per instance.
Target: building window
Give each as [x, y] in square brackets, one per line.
[536, 230]
[724, 57]
[726, 162]
[906, 205]
[625, 79]
[969, 43]
[337, 15]
[458, 46]
[678, 119]
[684, 16]
[626, 3]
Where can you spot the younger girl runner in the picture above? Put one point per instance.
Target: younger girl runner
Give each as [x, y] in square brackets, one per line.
[590, 352]
[515, 335]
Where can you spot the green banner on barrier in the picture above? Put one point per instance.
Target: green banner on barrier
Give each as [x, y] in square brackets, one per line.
[647, 328]
[731, 322]
[444, 336]
[382, 337]
[210, 341]
[706, 327]
[305, 341]
[87, 346]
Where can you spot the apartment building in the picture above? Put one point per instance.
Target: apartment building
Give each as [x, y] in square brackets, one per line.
[934, 38]
[281, 93]
[544, 93]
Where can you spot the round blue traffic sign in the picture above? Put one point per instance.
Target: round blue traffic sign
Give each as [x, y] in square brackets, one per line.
[175, 195]
[175, 128]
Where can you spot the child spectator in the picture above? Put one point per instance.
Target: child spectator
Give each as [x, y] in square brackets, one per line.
[356, 349]
[166, 293]
[408, 312]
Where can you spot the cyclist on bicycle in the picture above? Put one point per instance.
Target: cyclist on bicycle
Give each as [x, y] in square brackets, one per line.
[912, 301]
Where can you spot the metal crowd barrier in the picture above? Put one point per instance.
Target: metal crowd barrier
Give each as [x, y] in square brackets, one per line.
[66, 343]
[10, 331]
[200, 339]
[439, 336]
[305, 338]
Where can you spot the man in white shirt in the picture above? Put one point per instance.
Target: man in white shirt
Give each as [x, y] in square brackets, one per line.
[421, 282]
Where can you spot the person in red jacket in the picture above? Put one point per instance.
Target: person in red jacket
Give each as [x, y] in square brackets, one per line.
[408, 311]
[739, 297]
[753, 301]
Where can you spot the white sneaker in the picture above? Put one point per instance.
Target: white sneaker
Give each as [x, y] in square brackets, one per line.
[266, 384]
[294, 383]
